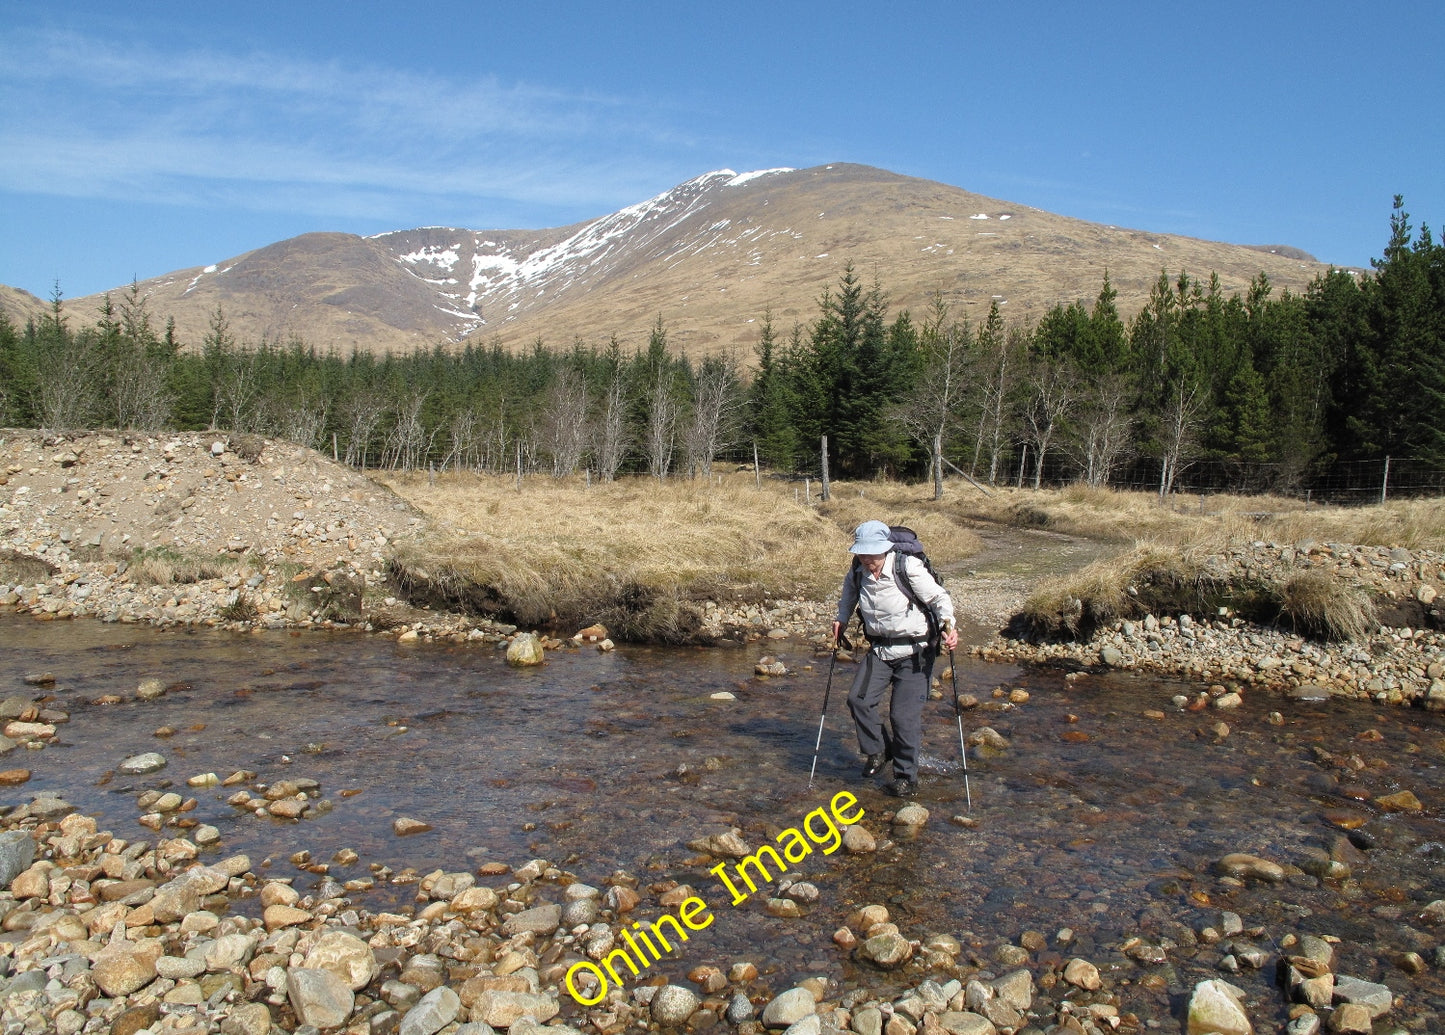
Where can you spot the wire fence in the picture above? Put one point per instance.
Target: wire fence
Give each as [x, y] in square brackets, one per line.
[1341, 482]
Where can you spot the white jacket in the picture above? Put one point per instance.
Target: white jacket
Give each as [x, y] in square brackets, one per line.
[887, 611]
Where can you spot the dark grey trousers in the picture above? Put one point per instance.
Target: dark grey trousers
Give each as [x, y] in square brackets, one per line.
[909, 678]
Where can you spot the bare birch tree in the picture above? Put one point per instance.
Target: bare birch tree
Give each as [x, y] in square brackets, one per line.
[930, 412]
[564, 421]
[610, 433]
[1178, 430]
[463, 437]
[714, 412]
[661, 437]
[407, 444]
[1050, 396]
[361, 415]
[1103, 429]
[996, 353]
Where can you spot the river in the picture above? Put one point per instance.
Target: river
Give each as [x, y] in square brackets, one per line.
[1097, 819]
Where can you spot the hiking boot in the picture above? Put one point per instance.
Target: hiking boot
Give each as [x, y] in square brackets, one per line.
[901, 787]
[874, 764]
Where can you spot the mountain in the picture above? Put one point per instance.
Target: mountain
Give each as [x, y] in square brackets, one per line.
[709, 256]
[21, 306]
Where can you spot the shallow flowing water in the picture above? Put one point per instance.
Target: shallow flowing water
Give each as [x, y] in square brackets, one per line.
[1096, 818]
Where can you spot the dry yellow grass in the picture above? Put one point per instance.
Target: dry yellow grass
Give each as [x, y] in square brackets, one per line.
[1148, 578]
[897, 503]
[1205, 523]
[1170, 542]
[1315, 604]
[635, 554]
[640, 556]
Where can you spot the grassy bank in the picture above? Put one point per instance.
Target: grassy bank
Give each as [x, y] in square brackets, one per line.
[1176, 561]
[638, 555]
[1194, 523]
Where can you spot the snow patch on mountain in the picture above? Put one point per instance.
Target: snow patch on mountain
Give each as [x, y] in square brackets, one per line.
[742, 178]
[502, 275]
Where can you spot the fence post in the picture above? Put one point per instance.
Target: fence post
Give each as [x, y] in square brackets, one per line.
[1385, 482]
[808, 491]
[825, 468]
[757, 471]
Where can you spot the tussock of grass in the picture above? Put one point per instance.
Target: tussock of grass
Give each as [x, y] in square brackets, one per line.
[1326, 608]
[242, 609]
[161, 566]
[637, 555]
[1145, 580]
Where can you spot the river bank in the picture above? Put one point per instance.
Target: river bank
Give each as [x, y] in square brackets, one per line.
[200, 531]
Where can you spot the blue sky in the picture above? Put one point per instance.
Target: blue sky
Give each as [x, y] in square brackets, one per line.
[138, 139]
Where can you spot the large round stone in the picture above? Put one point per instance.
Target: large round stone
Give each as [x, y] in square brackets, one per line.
[672, 1005]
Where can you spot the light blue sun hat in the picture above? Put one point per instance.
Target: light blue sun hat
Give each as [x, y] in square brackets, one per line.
[871, 538]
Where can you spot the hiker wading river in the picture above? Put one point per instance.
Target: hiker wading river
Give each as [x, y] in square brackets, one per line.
[906, 613]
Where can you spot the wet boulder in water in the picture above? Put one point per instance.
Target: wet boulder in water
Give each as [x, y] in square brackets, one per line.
[988, 741]
[1378, 999]
[789, 1008]
[886, 949]
[525, 650]
[1400, 801]
[859, 841]
[910, 819]
[1215, 1007]
[725, 843]
[1082, 974]
[770, 666]
[740, 1009]
[1250, 867]
[140, 765]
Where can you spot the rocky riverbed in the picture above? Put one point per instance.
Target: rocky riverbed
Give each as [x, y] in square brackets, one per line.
[101, 934]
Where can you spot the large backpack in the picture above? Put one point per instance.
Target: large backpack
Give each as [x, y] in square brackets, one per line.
[905, 541]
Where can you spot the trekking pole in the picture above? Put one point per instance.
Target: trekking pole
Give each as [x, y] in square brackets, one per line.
[962, 747]
[827, 690]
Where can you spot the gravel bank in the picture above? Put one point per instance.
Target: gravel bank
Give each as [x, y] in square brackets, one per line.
[1401, 662]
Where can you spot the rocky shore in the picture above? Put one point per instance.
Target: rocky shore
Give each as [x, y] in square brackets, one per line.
[242, 534]
[98, 934]
[1401, 661]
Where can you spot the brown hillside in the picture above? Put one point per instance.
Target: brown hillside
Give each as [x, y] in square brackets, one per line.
[21, 306]
[709, 257]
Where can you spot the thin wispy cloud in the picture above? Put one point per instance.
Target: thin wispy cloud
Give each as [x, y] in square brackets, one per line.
[84, 117]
